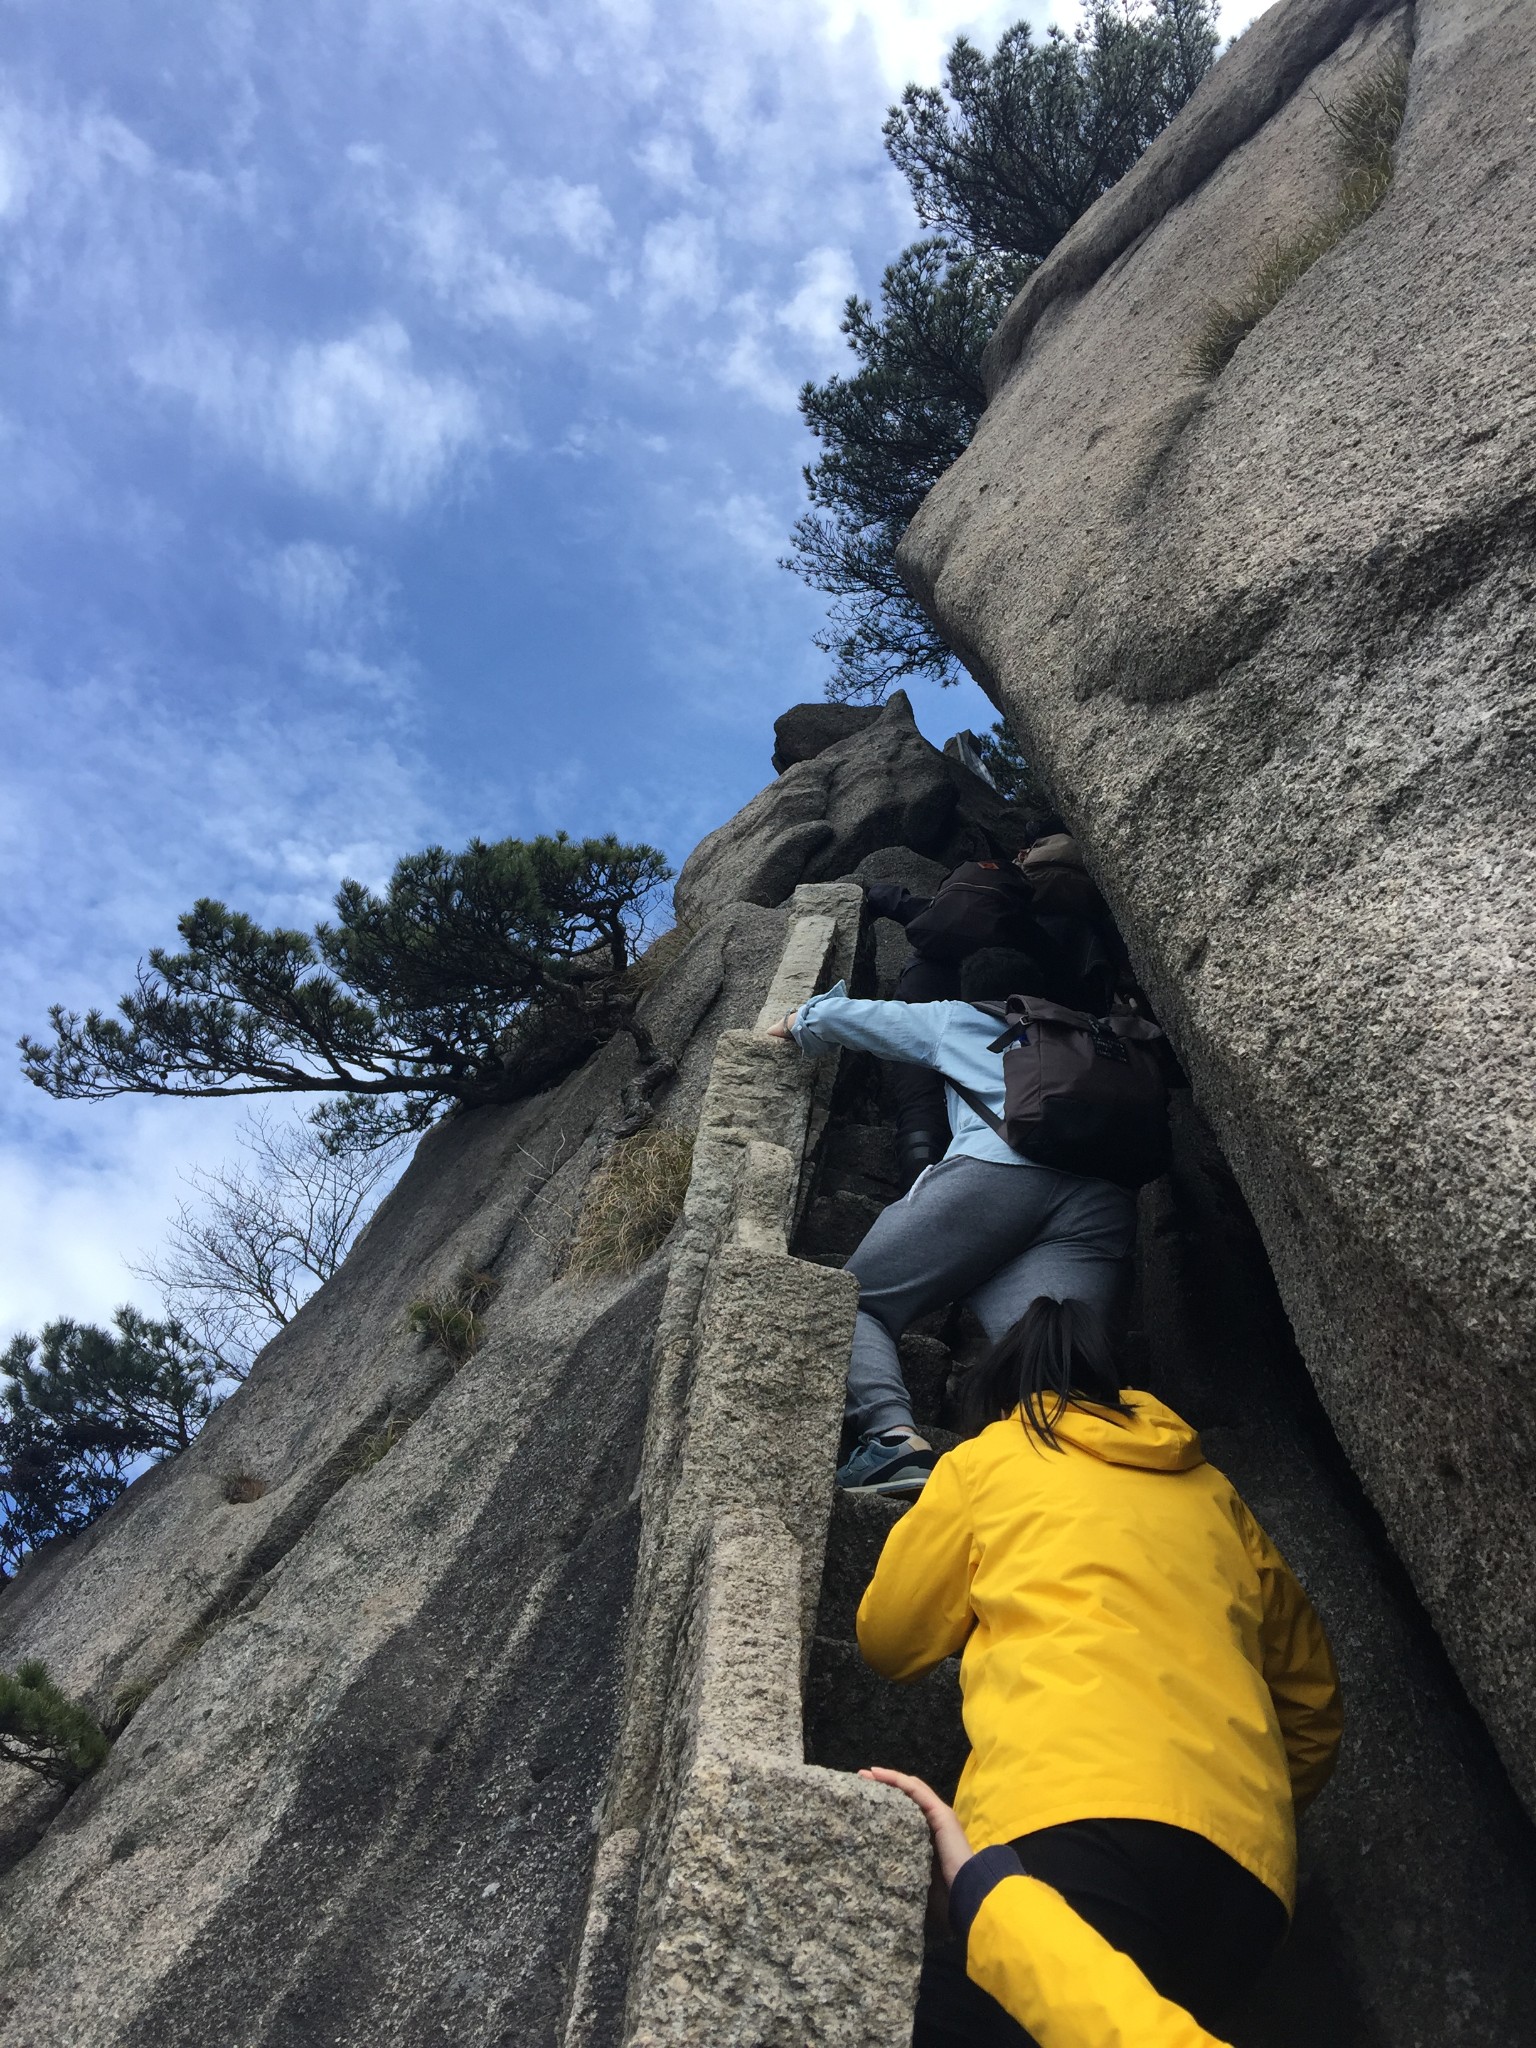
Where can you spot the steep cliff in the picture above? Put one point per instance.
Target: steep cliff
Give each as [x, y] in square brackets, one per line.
[518, 1705]
[1268, 633]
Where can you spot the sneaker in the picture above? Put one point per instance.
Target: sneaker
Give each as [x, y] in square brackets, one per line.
[889, 1461]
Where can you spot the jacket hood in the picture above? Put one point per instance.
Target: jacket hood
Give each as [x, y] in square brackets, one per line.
[1152, 1437]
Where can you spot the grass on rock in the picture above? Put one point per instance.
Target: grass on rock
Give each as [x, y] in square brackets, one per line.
[633, 1200]
[451, 1322]
[1366, 124]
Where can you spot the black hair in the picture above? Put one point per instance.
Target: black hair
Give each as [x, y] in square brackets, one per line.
[1046, 826]
[993, 972]
[1057, 1356]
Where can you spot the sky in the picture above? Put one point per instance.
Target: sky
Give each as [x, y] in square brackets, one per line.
[399, 437]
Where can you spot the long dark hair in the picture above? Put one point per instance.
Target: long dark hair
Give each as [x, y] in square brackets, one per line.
[1057, 1356]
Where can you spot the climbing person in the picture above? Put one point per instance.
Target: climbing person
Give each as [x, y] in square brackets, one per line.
[988, 1224]
[1043, 906]
[1148, 1694]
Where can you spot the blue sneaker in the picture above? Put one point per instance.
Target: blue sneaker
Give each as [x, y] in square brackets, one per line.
[893, 1462]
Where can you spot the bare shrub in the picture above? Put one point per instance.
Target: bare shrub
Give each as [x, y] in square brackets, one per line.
[649, 966]
[244, 1258]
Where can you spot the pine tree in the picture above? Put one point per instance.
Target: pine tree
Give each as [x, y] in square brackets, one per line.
[474, 977]
[80, 1408]
[45, 1731]
[890, 431]
[1001, 161]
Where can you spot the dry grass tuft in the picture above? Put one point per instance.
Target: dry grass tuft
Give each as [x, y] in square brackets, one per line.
[1366, 125]
[633, 1200]
[451, 1321]
[378, 1444]
[243, 1488]
[126, 1702]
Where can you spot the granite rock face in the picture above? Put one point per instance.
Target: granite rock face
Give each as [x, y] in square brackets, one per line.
[1269, 635]
[806, 730]
[518, 1707]
[381, 1699]
[883, 785]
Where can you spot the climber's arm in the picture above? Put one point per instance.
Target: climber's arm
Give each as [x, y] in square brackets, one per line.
[1052, 1972]
[899, 1031]
[1298, 1669]
[916, 1610]
[1040, 1960]
[894, 900]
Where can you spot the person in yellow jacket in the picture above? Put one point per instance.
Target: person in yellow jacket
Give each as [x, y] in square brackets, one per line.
[1148, 1694]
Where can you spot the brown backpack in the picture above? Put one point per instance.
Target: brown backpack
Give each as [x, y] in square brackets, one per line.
[1059, 882]
[1082, 1094]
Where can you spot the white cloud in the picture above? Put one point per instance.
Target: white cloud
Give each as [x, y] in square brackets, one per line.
[313, 584]
[15, 173]
[814, 315]
[755, 526]
[667, 160]
[747, 362]
[910, 37]
[476, 281]
[350, 418]
[680, 263]
[84, 1188]
[751, 362]
[578, 214]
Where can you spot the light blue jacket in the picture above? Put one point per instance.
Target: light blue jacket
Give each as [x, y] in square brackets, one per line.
[950, 1037]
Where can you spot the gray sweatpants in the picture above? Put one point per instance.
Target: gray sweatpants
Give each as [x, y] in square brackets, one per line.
[996, 1236]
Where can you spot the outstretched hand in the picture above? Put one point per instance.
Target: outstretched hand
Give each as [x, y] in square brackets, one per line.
[949, 1842]
[784, 1026]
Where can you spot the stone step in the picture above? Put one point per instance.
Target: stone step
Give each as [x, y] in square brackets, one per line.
[854, 1718]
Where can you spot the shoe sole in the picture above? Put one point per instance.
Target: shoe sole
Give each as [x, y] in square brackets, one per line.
[889, 1489]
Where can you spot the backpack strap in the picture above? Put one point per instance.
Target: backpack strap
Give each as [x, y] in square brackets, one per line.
[1014, 1015]
[979, 1106]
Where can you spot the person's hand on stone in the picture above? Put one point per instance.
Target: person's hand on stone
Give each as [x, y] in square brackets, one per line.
[949, 1842]
[785, 1025]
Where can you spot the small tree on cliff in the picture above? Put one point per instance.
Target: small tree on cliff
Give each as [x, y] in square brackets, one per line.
[269, 1229]
[474, 977]
[80, 1407]
[45, 1731]
[1001, 161]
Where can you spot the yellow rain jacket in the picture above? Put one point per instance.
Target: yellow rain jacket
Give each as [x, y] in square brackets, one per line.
[1063, 1982]
[1135, 1647]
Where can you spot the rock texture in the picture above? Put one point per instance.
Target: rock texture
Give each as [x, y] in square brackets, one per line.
[806, 730]
[356, 1803]
[883, 785]
[1269, 636]
[518, 1707]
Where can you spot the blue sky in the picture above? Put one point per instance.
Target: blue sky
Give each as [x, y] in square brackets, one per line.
[399, 434]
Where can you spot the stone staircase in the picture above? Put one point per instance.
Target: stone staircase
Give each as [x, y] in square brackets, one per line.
[749, 1890]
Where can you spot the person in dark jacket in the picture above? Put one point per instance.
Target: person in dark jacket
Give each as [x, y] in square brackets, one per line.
[1044, 908]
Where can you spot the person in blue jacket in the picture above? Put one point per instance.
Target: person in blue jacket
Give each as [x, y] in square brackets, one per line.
[984, 1225]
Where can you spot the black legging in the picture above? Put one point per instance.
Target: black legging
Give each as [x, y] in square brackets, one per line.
[1197, 1924]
